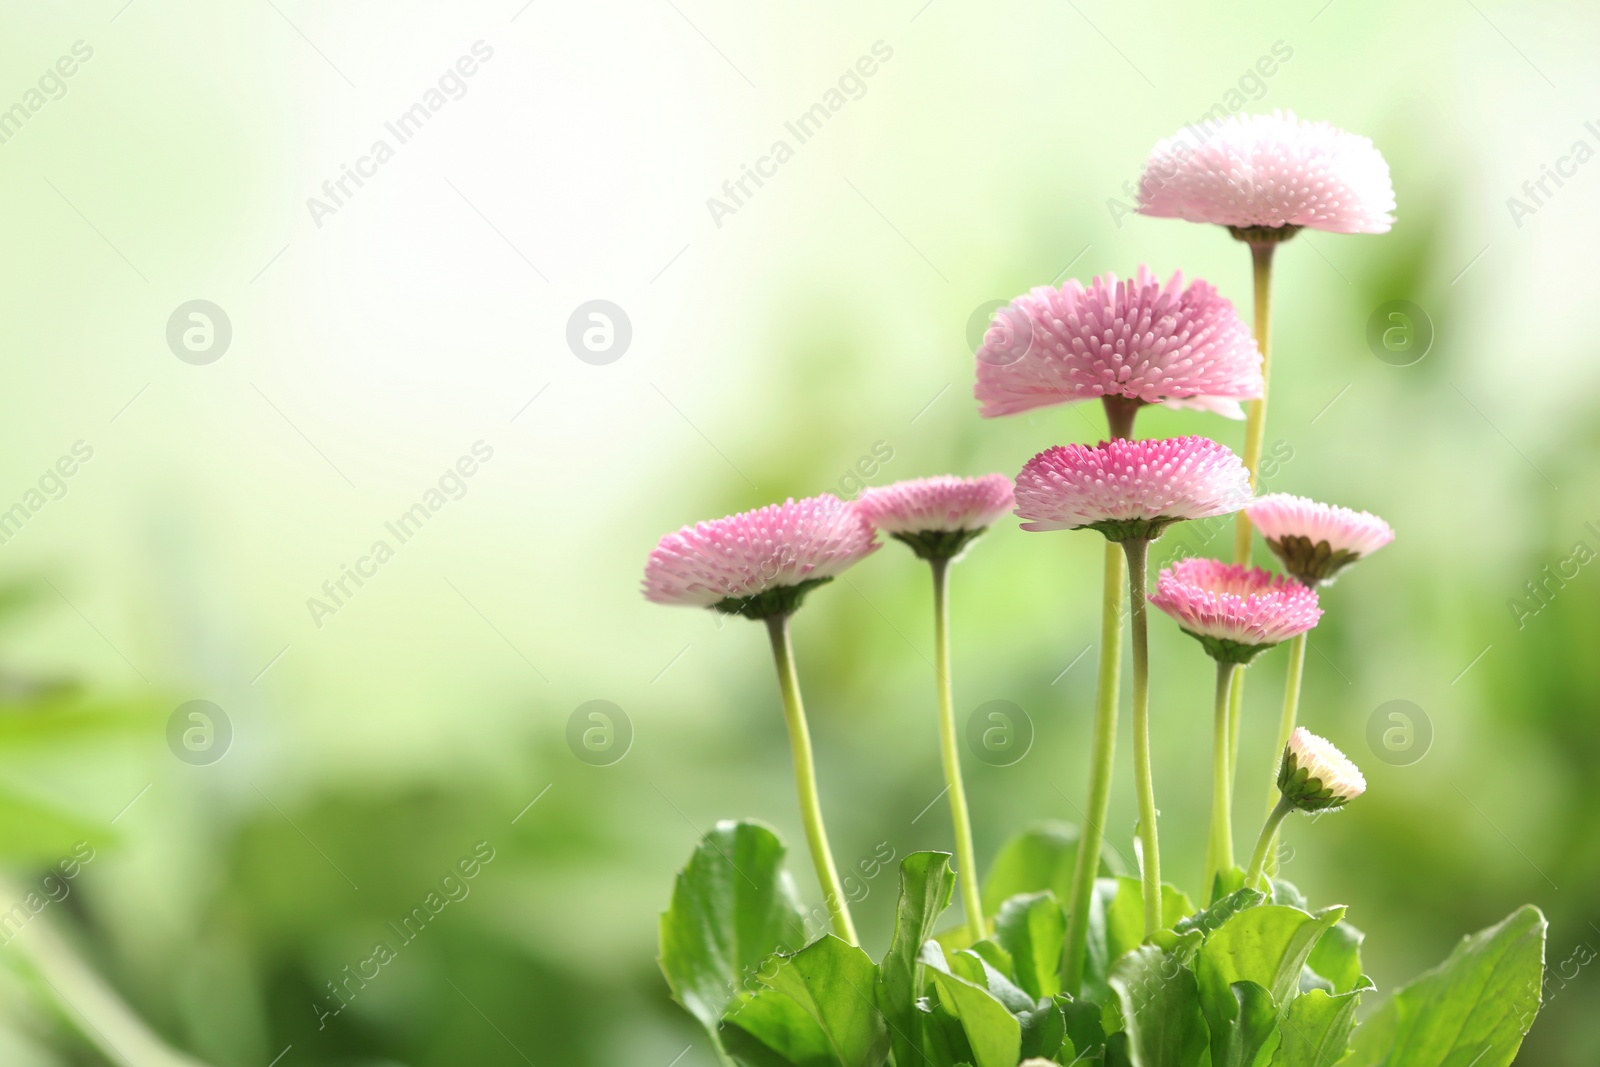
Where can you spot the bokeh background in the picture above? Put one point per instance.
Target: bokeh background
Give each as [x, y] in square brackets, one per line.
[783, 348]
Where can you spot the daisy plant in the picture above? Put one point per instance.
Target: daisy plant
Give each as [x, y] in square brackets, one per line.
[1128, 343]
[1266, 178]
[1058, 958]
[1131, 491]
[1314, 542]
[761, 564]
[939, 518]
[1236, 614]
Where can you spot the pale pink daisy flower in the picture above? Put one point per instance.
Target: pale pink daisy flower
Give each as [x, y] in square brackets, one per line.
[1137, 340]
[759, 563]
[1316, 776]
[1316, 541]
[1269, 174]
[1233, 611]
[1130, 490]
[940, 516]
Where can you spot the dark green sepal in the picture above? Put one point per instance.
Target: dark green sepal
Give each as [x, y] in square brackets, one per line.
[1303, 791]
[779, 600]
[1225, 651]
[1263, 235]
[1120, 530]
[939, 544]
[1311, 564]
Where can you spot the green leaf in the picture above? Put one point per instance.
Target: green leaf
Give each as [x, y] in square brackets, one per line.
[1031, 928]
[1226, 883]
[1041, 857]
[834, 982]
[771, 1030]
[1266, 946]
[1337, 957]
[926, 883]
[1044, 1030]
[1160, 1006]
[992, 1032]
[1125, 915]
[1254, 1021]
[733, 906]
[1221, 911]
[1316, 1029]
[1475, 1007]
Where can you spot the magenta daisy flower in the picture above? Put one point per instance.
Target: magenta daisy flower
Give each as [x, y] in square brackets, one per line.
[1233, 611]
[1316, 541]
[1130, 490]
[1271, 174]
[938, 517]
[759, 563]
[1138, 340]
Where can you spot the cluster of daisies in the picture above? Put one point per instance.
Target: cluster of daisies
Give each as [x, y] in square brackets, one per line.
[1128, 343]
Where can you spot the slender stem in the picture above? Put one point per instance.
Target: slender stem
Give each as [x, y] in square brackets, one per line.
[1219, 853]
[1235, 707]
[805, 774]
[1256, 426]
[966, 855]
[1291, 709]
[1103, 751]
[1268, 833]
[1137, 550]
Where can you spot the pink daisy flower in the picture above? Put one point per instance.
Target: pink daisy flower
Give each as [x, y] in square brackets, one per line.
[1130, 489]
[938, 517]
[1234, 612]
[1141, 340]
[1269, 171]
[1316, 541]
[1316, 776]
[759, 563]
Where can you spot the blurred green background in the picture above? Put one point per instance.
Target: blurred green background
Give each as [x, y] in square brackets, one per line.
[773, 349]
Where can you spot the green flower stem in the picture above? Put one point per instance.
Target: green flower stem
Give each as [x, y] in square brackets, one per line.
[805, 774]
[1255, 433]
[1137, 550]
[966, 855]
[1255, 430]
[1219, 852]
[1269, 833]
[1291, 709]
[1103, 753]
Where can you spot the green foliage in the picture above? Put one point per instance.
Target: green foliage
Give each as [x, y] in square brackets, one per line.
[733, 906]
[1476, 1006]
[1247, 982]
